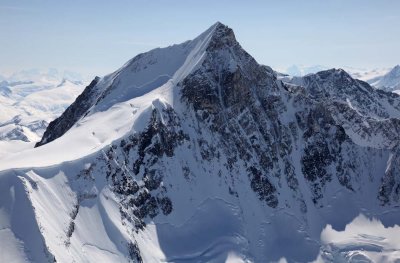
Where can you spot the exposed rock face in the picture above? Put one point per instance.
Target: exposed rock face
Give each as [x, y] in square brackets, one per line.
[390, 188]
[337, 85]
[138, 158]
[230, 130]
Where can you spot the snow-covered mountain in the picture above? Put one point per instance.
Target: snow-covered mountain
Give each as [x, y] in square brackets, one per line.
[389, 81]
[196, 153]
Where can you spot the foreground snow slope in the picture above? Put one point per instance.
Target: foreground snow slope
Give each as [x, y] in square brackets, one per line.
[196, 153]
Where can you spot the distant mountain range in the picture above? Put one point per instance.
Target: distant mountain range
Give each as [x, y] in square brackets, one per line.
[51, 75]
[389, 81]
[29, 100]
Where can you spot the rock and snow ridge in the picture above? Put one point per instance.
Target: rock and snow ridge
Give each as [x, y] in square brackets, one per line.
[196, 153]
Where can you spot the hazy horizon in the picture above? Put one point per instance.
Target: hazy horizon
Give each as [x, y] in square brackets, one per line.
[97, 37]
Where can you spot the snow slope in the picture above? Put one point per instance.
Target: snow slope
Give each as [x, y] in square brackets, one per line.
[196, 153]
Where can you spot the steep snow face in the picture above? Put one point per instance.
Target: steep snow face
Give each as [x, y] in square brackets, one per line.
[389, 82]
[211, 159]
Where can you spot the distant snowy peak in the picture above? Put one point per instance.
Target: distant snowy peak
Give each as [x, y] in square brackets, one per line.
[390, 81]
[65, 82]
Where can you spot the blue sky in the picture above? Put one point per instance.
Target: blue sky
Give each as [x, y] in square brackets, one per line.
[97, 37]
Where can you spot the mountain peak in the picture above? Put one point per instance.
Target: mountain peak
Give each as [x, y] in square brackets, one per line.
[218, 23]
[221, 35]
[160, 67]
[219, 27]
